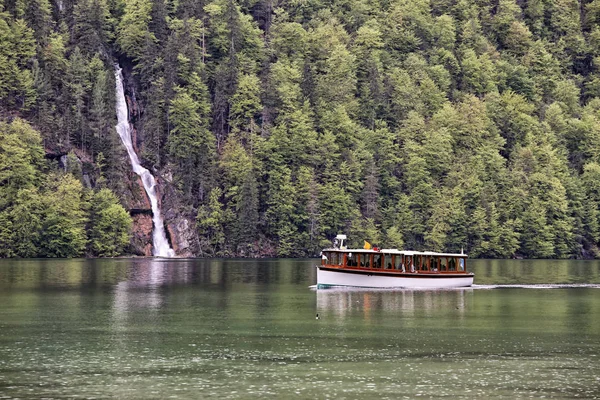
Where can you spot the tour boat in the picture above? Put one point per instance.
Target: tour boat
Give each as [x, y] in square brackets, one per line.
[391, 268]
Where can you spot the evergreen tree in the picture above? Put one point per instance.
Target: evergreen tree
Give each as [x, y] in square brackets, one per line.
[63, 227]
[17, 46]
[21, 160]
[92, 26]
[109, 225]
[133, 28]
[210, 221]
[191, 145]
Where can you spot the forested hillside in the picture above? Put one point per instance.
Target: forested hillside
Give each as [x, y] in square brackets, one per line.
[423, 124]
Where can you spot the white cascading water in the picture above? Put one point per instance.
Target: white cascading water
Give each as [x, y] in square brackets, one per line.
[160, 243]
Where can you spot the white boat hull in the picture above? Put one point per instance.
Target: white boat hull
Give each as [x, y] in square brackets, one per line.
[367, 279]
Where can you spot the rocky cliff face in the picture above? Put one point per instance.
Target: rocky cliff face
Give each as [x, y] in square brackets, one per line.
[138, 205]
[141, 240]
[181, 228]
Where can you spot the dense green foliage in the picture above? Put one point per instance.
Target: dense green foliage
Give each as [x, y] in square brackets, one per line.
[424, 124]
[45, 215]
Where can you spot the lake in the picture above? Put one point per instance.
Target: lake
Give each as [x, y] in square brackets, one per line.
[158, 329]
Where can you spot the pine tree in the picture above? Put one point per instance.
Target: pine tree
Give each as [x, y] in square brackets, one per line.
[63, 227]
[210, 220]
[133, 28]
[93, 26]
[109, 225]
[191, 145]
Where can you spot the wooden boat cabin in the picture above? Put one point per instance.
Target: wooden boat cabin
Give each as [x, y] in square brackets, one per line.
[392, 260]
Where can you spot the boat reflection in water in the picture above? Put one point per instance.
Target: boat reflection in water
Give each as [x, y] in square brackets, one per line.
[343, 302]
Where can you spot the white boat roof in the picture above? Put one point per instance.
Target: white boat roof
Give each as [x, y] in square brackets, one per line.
[396, 251]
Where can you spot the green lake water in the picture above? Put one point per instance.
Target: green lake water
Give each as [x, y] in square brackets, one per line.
[159, 329]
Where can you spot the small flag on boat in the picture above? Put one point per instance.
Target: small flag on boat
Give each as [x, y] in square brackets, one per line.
[367, 245]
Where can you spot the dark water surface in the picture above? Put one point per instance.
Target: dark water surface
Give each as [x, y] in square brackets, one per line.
[158, 329]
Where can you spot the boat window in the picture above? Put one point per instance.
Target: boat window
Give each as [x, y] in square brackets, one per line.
[443, 264]
[364, 260]
[451, 264]
[350, 260]
[398, 261]
[434, 263]
[423, 263]
[338, 258]
[408, 263]
[377, 260]
[461, 264]
[387, 258]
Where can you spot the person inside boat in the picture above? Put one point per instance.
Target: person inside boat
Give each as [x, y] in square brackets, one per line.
[378, 261]
[350, 261]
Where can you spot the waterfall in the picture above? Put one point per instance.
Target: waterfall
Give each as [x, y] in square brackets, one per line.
[160, 244]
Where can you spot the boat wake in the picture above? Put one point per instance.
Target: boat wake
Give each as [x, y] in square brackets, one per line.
[477, 287]
[340, 288]
[541, 286]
